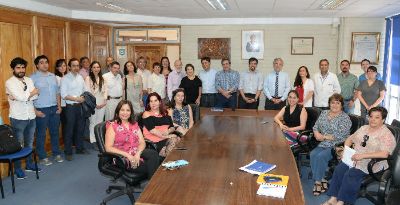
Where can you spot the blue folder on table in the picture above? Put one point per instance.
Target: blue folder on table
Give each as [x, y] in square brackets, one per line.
[257, 167]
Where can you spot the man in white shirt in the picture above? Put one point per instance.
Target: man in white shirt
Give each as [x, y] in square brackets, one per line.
[21, 93]
[250, 86]
[174, 78]
[326, 84]
[114, 89]
[145, 74]
[207, 77]
[276, 87]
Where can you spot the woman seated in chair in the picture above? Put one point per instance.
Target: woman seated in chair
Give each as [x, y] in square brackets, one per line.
[158, 126]
[123, 137]
[370, 141]
[332, 127]
[181, 113]
[294, 118]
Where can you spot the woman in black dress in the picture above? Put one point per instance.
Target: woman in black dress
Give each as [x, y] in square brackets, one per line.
[192, 86]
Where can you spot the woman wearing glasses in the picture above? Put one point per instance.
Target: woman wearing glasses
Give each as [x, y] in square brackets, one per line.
[370, 141]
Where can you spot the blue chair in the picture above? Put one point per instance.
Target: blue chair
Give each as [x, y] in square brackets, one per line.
[11, 158]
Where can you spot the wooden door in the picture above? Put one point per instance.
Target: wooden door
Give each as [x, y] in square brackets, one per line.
[51, 39]
[79, 34]
[152, 53]
[99, 44]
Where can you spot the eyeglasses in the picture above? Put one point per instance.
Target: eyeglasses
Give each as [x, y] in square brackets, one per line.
[25, 86]
[365, 139]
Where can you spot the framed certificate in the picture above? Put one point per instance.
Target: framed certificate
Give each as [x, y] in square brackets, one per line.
[253, 44]
[365, 45]
[302, 46]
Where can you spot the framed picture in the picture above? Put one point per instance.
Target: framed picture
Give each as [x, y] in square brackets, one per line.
[214, 48]
[365, 45]
[302, 46]
[253, 44]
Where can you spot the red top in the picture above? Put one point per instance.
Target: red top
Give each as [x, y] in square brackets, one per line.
[300, 90]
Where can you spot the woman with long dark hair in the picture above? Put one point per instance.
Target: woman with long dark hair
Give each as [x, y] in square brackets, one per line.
[158, 126]
[133, 86]
[304, 87]
[181, 113]
[95, 84]
[123, 137]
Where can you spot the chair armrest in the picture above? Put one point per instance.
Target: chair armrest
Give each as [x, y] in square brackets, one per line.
[383, 185]
[150, 144]
[371, 164]
[117, 160]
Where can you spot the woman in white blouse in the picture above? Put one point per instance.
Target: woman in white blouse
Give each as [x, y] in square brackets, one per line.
[96, 85]
[304, 86]
[156, 81]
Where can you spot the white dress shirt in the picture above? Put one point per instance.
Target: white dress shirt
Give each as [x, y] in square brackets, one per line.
[283, 85]
[157, 84]
[145, 74]
[174, 80]
[114, 84]
[208, 81]
[21, 106]
[308, 86]
[251, 82]
[325, 87]
[72, 85]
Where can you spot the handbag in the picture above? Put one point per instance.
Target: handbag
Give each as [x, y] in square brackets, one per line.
[8, 142]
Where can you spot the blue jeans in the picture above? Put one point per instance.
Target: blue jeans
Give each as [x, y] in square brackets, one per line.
[319, 158]
[51, 120]
[345, 183]
[24, 130]
[346, 107]
[144, 99]
[223, 102]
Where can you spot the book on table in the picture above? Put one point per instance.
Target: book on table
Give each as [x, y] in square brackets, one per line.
[257, 167]
[272, 185]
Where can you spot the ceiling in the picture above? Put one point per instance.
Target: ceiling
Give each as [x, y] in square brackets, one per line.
[187, 12]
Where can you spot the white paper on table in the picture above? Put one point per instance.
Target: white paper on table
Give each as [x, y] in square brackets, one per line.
[347, 154]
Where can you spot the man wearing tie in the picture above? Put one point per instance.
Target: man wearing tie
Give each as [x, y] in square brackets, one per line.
[276, 87]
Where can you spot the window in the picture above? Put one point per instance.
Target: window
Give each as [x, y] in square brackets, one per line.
[148, 35]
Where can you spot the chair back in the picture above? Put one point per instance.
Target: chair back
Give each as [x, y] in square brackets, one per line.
[395, 131]
[396, 167]
[195, 112]
[395, 123]
[139, 119]
[356, 123]
[312, 116]
[100, 134]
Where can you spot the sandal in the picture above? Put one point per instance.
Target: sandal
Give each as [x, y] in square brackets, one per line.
[324, 186]
[317, 189]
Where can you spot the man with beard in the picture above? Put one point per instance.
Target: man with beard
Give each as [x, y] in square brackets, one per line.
[250, 86]
[348, 84]
[21, 93]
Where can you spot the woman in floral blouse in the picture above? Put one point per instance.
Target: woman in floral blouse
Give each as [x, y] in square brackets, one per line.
[123, 137]
[370, 141]
[332, 127]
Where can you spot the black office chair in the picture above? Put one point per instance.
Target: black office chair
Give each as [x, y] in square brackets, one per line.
[395, 123]
[303, 148]
[113, 166]
[389, 186]
[372, 195]
[196, 112]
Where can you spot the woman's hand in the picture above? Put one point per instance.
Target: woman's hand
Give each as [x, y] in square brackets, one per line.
[134, 160]
[357, 157]
[328, 137]
[283, 127]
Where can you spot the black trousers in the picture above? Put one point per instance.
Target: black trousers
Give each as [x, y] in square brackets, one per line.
[74, 127]
[207, 100]
[244, 105]
[149, 165]
[269, 105]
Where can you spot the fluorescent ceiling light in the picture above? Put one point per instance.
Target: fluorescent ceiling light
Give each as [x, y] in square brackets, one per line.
[219, 5]
[331, 4]
[113, 7]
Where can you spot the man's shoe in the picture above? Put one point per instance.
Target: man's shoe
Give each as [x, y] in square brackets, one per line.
[46, 162]
[68, 157]
[58, 159]
[32, 168]
[82, 151]
[20, 174]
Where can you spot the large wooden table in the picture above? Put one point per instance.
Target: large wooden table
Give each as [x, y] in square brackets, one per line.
[216, 147]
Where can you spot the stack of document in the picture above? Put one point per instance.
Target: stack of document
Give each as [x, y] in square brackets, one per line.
[272, 185]
[257, 167]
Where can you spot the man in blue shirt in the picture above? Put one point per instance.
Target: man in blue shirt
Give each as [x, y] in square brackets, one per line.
[276, 87]
[227, 83]
[47, 110]
[207, 77]
[364, 65]
[72, 88]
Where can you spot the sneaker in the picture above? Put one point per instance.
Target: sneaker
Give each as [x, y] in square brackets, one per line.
[46, 162]
[68, 157]
[32, 169]
[58, 159]
[20, 174]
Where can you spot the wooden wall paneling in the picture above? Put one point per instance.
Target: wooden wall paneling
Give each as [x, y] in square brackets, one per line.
[99, 44]
[79, 39]
[51, 39]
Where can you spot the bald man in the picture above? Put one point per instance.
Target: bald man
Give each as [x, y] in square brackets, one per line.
[174, 78]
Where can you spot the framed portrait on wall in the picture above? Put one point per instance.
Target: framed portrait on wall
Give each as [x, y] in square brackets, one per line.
[365, 45]
[253, 44]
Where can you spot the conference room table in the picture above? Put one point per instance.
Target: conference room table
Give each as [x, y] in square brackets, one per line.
[216, 147]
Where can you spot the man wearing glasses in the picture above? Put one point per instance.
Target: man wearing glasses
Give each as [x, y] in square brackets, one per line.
[21, 92]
